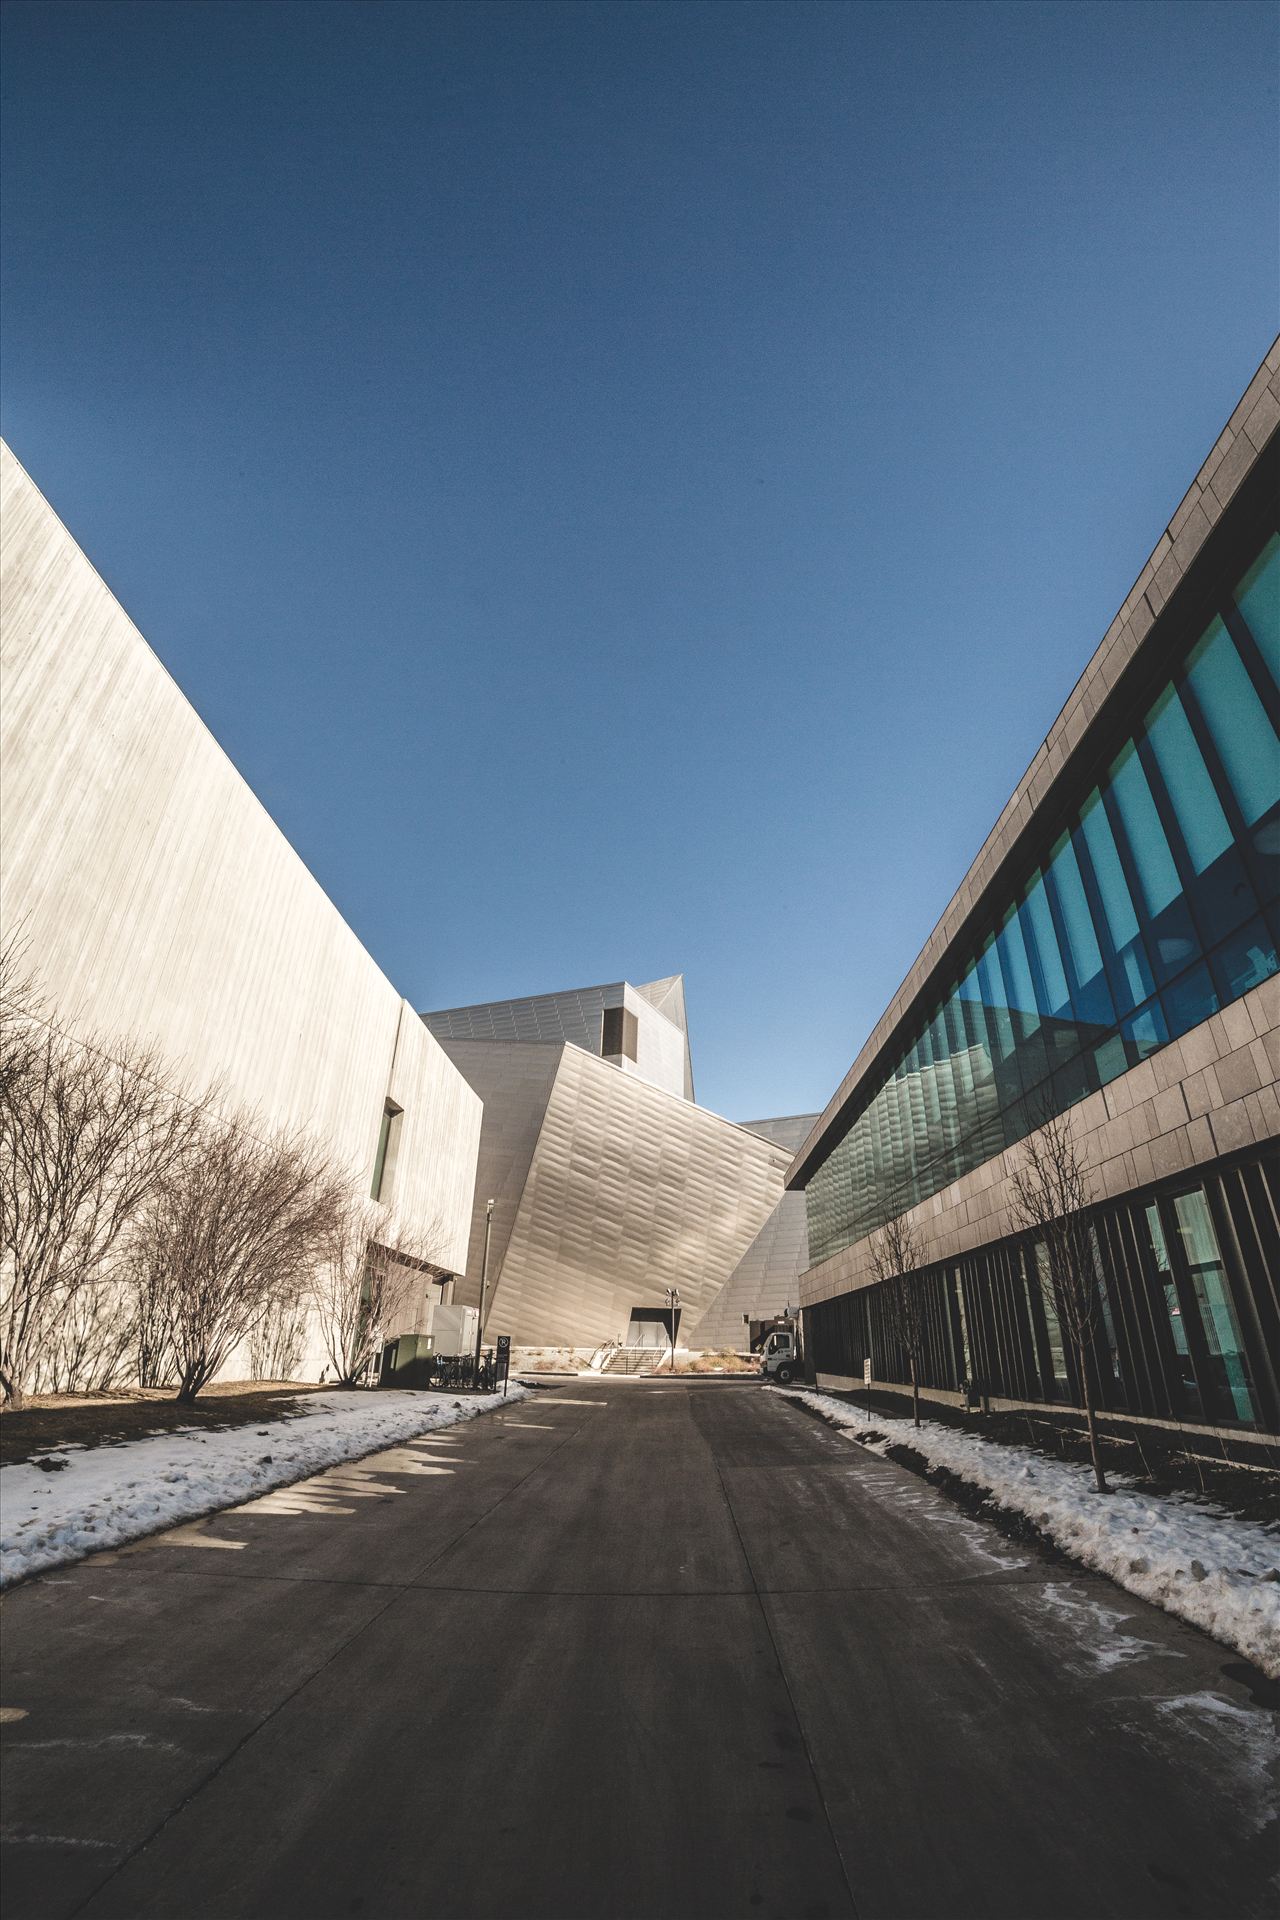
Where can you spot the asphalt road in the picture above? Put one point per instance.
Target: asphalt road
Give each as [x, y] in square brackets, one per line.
[635, 1649]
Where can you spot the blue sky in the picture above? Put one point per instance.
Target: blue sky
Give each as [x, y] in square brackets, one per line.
[631, 485]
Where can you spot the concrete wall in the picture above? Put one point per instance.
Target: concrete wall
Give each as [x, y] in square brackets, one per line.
[1210, 1093]
[159, 900]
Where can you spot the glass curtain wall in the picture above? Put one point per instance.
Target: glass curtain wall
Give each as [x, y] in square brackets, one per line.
[1156, 905]
[1188, 1326]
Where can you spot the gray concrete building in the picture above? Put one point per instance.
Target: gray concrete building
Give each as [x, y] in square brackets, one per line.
[1111, 957]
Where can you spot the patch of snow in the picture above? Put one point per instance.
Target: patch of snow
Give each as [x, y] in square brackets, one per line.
[1243, 1745]
[109, 1495]
[1101, 1639]
[1186, 1555]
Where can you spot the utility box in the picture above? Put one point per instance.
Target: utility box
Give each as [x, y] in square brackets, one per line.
[453, 1329]
[406, 1362]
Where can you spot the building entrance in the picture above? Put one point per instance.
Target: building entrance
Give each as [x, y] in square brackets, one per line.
[651, 1327]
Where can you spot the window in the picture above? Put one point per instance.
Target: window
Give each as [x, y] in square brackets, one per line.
[1173, 1307]
[618, 1033]
[384, 1159]
[1227, 1368]
[1258, 598]
[1237, 722]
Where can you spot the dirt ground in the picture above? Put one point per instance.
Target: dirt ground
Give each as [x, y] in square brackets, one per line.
[95, 1420]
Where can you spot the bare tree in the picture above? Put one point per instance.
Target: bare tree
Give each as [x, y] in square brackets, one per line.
[232, 1230]
[895, 1261]
[1050, 1199]
[365, 1280]
[85, 1135]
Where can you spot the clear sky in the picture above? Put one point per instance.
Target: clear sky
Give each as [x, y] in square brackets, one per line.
[631, 485]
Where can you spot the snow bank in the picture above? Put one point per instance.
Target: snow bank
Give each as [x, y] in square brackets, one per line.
[1211, 1568]
[105, 1496]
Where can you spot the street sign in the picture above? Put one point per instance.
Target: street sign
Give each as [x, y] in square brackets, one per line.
[504, 1360]
[866, 1373]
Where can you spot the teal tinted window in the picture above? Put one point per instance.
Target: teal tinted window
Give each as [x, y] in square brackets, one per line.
[1258, 598]
[1017, 972]
[1088, 982]
[1157, 874]
[1042, 945]
[1198, 809]
[1244, 961]
[1122, 921]
[1237, 721]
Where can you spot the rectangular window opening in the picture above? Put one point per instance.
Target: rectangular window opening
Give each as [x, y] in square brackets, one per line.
[384, 1159]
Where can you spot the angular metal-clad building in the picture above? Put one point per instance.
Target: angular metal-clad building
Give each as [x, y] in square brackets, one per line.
[609, 1184]
[766, 1281]
[1110, 957]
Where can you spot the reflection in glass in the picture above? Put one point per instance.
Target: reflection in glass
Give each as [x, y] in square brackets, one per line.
[1173, 1305]
[1228, 1368]
[1057, 1354]
[1244, 961]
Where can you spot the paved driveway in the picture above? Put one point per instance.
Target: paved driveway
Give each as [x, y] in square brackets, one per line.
[635, 1649]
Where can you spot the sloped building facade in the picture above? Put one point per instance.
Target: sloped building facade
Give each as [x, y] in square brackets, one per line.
[609, 1184]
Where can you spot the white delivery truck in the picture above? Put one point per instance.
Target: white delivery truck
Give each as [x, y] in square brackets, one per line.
[782, 1356]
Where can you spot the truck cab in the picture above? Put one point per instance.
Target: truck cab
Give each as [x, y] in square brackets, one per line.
[781, 1361]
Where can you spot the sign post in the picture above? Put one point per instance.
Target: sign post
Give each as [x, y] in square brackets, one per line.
[866, 1381]
[504, 1360]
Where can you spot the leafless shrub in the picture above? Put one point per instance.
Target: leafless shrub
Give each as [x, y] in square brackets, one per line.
[86, 1133]
[91, 1344]
[229, 1234]
[370, 1268]
[895, 1259]
[277, 1344]
[20, 1014]
[151, 1323]
[1050, 1199]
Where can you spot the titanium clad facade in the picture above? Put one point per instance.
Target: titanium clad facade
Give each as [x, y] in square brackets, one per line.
[641, 1029]
[629, 1191]
[607, 1190]
[1112, 957]
[514, 1083]
[158, 901]
[767, 1278]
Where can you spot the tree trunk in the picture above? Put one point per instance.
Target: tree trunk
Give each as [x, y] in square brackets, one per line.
[1095, 1446]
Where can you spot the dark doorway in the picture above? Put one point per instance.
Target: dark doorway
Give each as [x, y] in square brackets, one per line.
[651, 1327]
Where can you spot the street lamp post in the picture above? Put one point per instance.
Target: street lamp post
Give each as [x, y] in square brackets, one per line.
[484, 1281]
[673, 1301]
